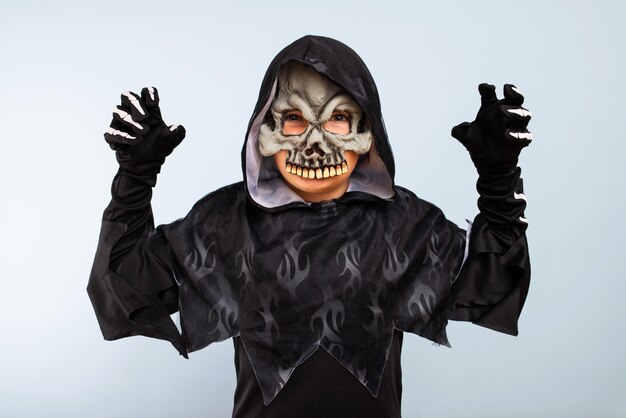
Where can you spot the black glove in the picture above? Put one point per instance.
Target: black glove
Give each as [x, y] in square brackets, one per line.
[138, 134]
[497, 136]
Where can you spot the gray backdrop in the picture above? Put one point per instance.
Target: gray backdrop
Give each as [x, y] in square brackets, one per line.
[64, 64]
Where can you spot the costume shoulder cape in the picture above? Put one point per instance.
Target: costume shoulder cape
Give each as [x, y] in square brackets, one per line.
[340, 275]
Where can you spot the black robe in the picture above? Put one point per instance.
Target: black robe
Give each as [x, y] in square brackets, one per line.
[286, 277]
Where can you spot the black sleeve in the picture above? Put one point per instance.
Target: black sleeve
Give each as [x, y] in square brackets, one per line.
[132, 284]
[492, 285]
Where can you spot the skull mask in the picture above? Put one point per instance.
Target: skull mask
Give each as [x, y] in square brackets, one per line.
[316, 152]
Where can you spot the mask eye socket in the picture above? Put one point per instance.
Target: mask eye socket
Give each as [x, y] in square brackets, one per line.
[339, 123]
[294, 123]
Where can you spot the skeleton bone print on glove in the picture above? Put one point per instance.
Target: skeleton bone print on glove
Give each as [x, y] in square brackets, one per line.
[302, 89]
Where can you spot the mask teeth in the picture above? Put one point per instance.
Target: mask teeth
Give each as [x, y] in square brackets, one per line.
[325, 171]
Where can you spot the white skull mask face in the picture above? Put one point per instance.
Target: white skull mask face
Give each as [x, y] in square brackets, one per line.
[303, 90]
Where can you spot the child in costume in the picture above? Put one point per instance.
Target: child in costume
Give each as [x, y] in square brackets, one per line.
[316, 247]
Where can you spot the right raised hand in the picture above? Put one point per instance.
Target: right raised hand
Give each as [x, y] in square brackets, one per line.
[138, 134]
[497, 136]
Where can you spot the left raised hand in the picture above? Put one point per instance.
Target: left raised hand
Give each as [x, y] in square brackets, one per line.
[497, 136]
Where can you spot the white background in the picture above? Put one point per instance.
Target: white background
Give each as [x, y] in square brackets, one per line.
[64, 64]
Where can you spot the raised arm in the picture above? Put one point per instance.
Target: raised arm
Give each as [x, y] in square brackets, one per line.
[492, 285]
[132, 283]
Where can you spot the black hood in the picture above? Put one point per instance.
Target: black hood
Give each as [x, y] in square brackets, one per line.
[374, 175]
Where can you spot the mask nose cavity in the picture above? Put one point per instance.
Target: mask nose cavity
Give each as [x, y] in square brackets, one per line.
[315, 148]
